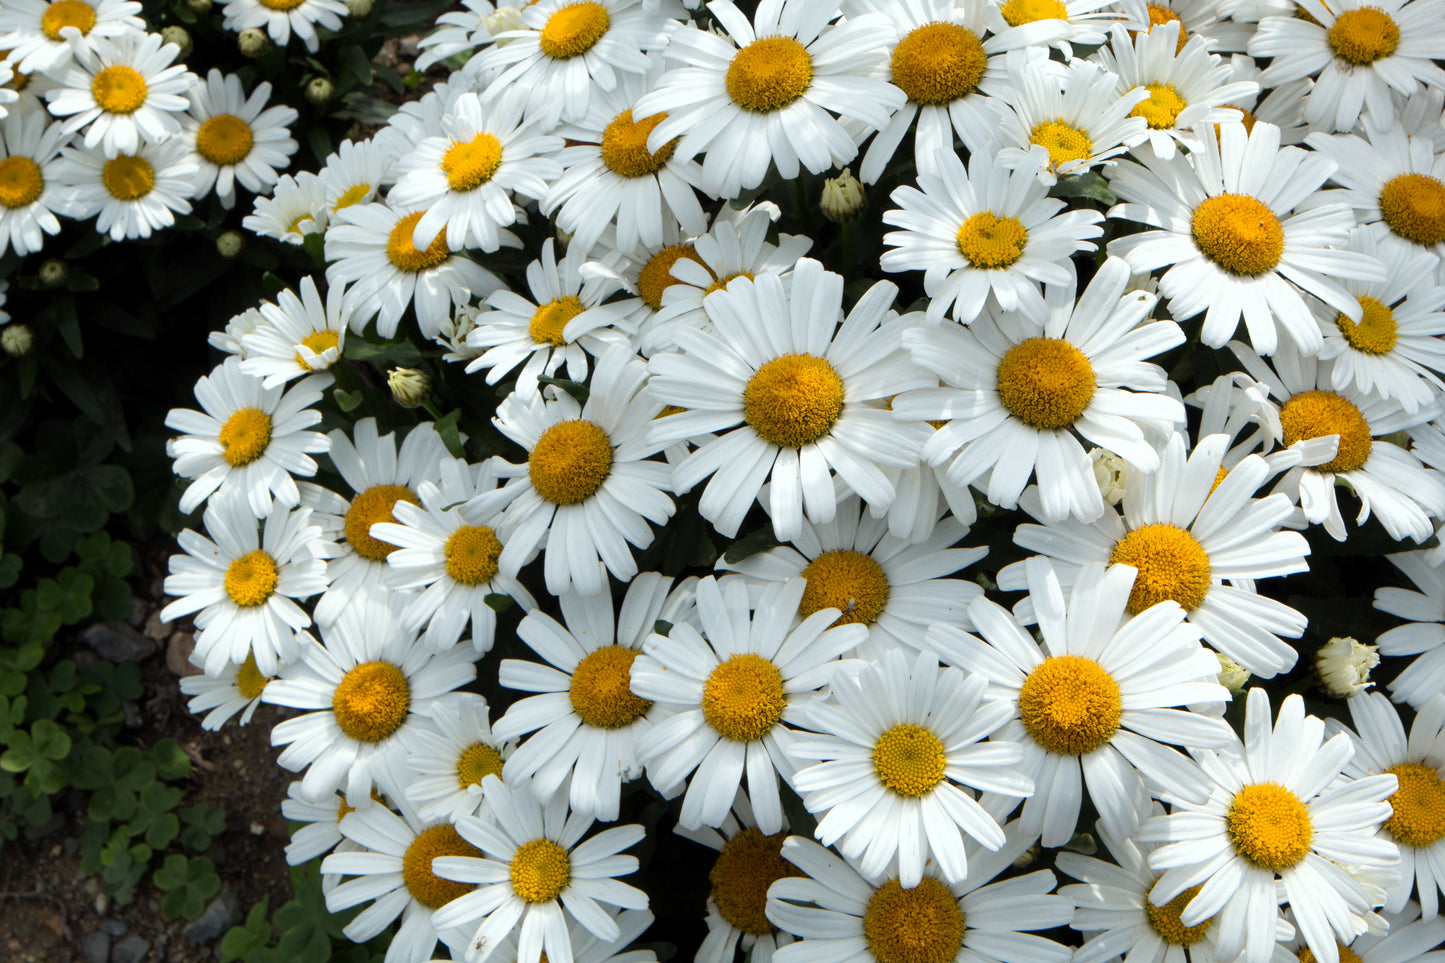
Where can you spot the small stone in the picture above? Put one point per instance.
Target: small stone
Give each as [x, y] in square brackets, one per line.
[178, 654]
[96, 947]
[155, 628]
[132, 949]
[220, 915]
[137, 616]
[117, 642]
[115, 928]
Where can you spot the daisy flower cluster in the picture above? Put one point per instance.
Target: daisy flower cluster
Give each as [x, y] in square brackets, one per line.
[962, 552]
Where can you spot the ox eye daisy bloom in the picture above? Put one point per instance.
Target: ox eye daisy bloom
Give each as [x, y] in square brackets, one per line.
[463, 31]
[130, 195]
[981, 231]
[237, 688]
[1227, 229]
[320, 831]
[29, 181]
[453, 756]
[296, 336]
[296, 208]
[1014, 394]
[1423, 635]
[243, 584]
[535, 875]
[733, 687]
[248, 438]
[1408, 939]
[766, 93]
[34, 31]
[1279, 821]
[590, 486]
[1081, 22]
[356, 172]
[238, 138]
[123, 93]
[1392, 180]
[281, 18]
[588, 948]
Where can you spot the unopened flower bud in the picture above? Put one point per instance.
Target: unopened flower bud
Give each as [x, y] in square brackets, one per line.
[251, 42]
[409, 386]
[16, 339]
[230, 243]
[1109, 473]
[199, 6]
[358, 8]
[53, 272]
[179, 36]
[1344, 666]
[843, 197]
[505, 18]
[1232, 675]
[319, 91]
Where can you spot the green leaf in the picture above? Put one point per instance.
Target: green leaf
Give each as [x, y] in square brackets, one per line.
[577, 391]
[162, 830]
[347, 400]
[759, 540]
[446, 428]
[51, 741]
[354, 60]
[315, 245]
[240, 942]
[171, 760]
[21, 755]
[68, 323]
[1090, 185]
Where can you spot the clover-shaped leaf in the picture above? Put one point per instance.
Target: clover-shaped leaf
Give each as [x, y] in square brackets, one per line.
[187, 883]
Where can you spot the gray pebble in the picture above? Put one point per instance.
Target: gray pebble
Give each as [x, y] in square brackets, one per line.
[222, 913]
[132, 949]
[96, 947]
[117, 642]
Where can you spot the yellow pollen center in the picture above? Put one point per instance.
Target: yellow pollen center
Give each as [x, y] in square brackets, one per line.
[249, 680]
[1314, 414]
[307, 218]
[367, 509]
[624, 145]
[656, 275]
[470, 164]
[318, 342]
[67, 13]
[1269, 826]
[1239, 233]
[251, 579]
[541, 870]
[550, 319]
[1413, 205]
[1363, 35]
[920, 925]
[988, 241]
[477, 762]
[1064, 143]
[1347, 955]
[909, 760]
[1165, 920]
[355, 194]
[119, 89]
[601, 691]
[427, 888]
[1375, 332]
[472, 552]
[403, 253]
[245, 436]
[224, 139]
[371, 701]
[1020, 12]
[721, 283]
[849, 581]
[20, 181]
[744, 697]
[1160, 15]
[570, 462]
[1070, 705]
[769, 74]
[938, 63]
[1419, 805]
[749, 863]
[573, 30]
[1171, 563]
[793, 400]
[281, 5]
[128, 177]
[1162, 108]
[1045, 382]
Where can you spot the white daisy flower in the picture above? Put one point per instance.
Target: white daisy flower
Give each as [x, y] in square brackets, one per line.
[1409, 939]
[985, 230]
[238, 138]
[355, 173]
[228, 339]
[1217, 21]
[249, 438]
[237, 688]
[280, 18]
[455, 751]
[129, 195]
[30, 189]
[587, 948]
[296, 208]
[296, 336]
[123, 93]
[1423, 635]
[733, 687]
[321, 829]
[463, 31]
[242, 584]
[1280, 821]
[35, 31]
[1283, 106]
[1081, 22]
[1391, 180]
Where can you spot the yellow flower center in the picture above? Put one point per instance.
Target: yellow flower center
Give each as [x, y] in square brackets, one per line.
[909, 760]
[1160, 15]
[20, 181]
[403, 253]
[245, 436]
[67, 13]
[305, 218]
[573, 30]
[551, 318]
[119, 89]
[1162, 108]
[128, 177]
[1375, 332]
[318, 342]
[469, 164]
[920, 925]
[938, 63]
[249, 680]
[355, 194]
[1045, 382]
[1070, 705]
[656, 275]
[224, 139]
[1239, 233]
[1020, 12]
[371, 701]
[601, 691]
[1165, 920]
[743, 697]
[849, 581]
[281, 5]
[1347, 955]
[988, 241]
[769, 74]
[1064, 143]
[793, 400]
[1363, 35]
[624, 145]
[541, 870]
[1413, 205]
[472, 552]
[721, 283]
[1419, 806]
[367, 509]
[748, 864]
[1269, 826]
[251, 579]
[570, 462]
[477, 762]
[1171, 563]
[427, 888]
[1218, 477]
[1313, 414]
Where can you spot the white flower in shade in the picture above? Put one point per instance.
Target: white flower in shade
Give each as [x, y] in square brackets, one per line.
[794, 395]
[130, 195]
[455, 751]
[987, 230]
[362, 696]
[228, 339]
[1097, 701]
[123, 92]
[237, 688]
[1081, 22]
[1188, 528]
[8, 94]
[1233, 243]
[296, 208]
[589, 487]
[1282, 106]
[242, 584]
[1015, 394]
[238, 138]
[766, 92]
[733, 687]
[587, 948]
[1391, 180]
[536, 872]
[462, 31]
[1408, 939]
[1423, 634]
[1357, 51]
[36, 36]
[30, 188]
[355, 173]
[320, 831]
[1343, 665]
[1221, 22]
[1280, 821]
[281, 18]
[296, 336]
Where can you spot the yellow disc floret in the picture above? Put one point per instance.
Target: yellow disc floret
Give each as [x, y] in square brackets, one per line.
[1160, 15]
[251, 579]
[1171, 563]
[550, 319]
[769, 74]
[472, 552]
[1413, 205]
[369, 508]
[749, 863]
[924, 924]
[401, 252]
[470, 164]
[793, 400]
[849, 581]
[249, 680]
[624, 145]
[1020, 12]
[1347, 955]
[1162, 108]
[1063, 142]
[938, 63]
[1269, 826]
[427, 888]
[318, 343]
[909, 760]
[1165, 920]
[1375, 332]
[721, 283]
[245, 436]
[744, 697]
[1363, 35]
[371, 701]
[1239, 233]
[21, 182]
[601, 690]
[355, 194]
[281, 5]
[541, 870]
[1314, 414]
[67, 13]
[1418, 817]
[991, 242]
[224, 139]
[128, 177]
[1045, 382]
[570, 462]
[119, 89]
[656, 275]
[1070, 705]
[477, 762]
[573, 30]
